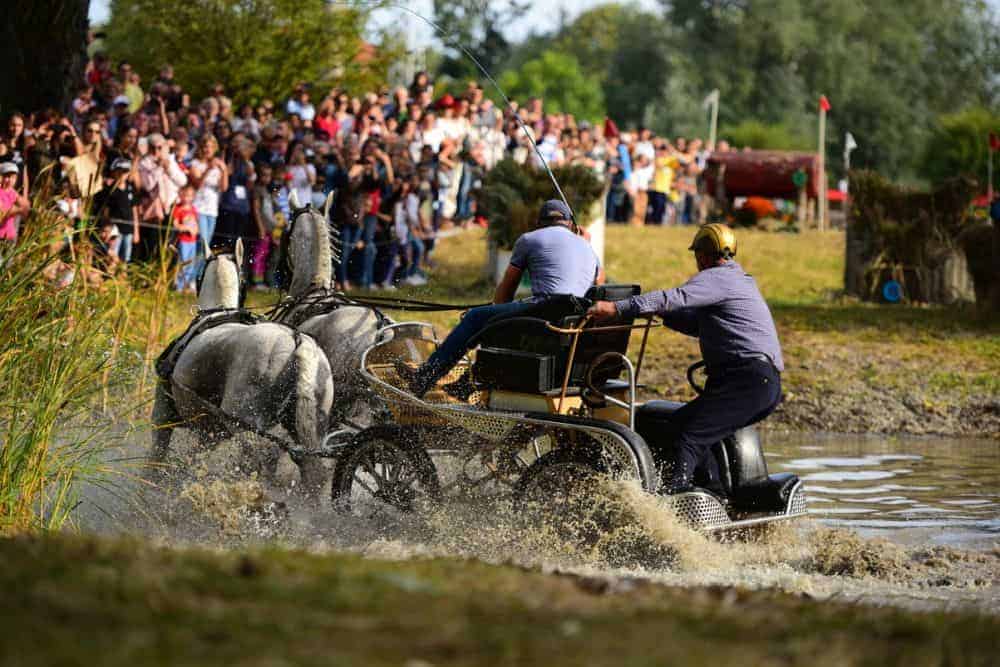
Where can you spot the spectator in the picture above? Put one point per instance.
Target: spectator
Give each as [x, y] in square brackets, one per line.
[235, 214]
[245, 123]
[162, 179]
[302, 174]
[326, 121]
[13, 205]
[265, 210]
[299, 104]
[118, 204]
[184, 221]
[210, 176]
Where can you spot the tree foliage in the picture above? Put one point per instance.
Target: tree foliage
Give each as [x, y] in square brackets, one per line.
[889, 69]
[959, 146]
[621, 47]
[259, 48]
[768, 136]
[558, 79]
[477, 26]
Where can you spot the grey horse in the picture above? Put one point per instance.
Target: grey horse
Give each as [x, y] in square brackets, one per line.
[262, 374]
[343, 331]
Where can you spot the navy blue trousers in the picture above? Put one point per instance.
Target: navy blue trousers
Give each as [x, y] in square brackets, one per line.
[681, 442]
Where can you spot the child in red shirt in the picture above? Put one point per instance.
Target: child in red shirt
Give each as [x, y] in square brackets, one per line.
[184, 220]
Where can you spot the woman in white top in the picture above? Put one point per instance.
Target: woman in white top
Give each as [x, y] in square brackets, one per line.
[210, 177]
[303, 174]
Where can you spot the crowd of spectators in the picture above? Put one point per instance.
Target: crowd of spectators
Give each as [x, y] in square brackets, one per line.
[153, 168]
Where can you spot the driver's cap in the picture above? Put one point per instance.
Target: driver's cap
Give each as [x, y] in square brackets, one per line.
[555, 209]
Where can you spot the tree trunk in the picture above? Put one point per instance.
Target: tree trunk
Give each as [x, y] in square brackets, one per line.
[44, 52]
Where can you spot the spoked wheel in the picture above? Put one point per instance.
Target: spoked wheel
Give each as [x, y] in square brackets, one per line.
[384, 471]
[560, 488]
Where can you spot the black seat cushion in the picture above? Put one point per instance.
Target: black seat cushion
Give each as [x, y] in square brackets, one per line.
[653, 417]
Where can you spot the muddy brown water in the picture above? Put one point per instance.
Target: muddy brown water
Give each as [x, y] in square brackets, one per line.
[907, 522]
[911, 491]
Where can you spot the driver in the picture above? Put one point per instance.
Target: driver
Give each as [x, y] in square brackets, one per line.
[559, 260]
[722, 307]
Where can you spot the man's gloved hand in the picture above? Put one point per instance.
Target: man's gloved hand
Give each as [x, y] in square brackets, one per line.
[602, 310]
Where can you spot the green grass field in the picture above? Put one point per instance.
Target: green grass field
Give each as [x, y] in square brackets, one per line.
[85, 601]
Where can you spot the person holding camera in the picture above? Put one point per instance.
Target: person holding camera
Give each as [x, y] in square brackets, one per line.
[301, 173]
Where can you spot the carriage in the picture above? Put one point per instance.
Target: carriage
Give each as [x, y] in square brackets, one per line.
[555, 403]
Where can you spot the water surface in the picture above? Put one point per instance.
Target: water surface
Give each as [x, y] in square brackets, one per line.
[913, 491]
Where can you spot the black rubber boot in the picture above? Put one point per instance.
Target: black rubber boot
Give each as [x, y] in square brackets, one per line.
[462, 388]
[417, 379]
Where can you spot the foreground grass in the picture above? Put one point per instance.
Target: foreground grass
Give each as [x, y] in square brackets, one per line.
[72, 601]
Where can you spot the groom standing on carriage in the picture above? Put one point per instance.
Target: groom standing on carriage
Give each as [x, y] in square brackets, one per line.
[559, 260]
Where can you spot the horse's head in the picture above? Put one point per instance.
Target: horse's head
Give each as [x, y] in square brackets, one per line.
[220, 284]
[309, 247]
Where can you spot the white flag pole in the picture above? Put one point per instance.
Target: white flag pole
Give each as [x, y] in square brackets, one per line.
[713, 100]
[849, 145]
[713, 131]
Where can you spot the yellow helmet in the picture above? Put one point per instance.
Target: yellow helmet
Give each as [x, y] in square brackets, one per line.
[715, 239]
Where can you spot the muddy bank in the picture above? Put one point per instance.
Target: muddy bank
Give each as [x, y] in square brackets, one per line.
[858, 408]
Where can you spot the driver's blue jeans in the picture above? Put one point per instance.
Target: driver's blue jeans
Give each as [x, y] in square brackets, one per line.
[451, 350]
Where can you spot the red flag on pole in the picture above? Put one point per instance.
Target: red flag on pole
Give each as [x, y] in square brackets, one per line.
[994, 142]
[824, 104]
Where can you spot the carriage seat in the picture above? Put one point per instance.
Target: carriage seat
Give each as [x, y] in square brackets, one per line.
[740, 456]
[522, 354]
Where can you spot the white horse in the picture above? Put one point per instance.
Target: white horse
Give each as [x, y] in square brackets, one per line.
[343, 331]
[234, 375]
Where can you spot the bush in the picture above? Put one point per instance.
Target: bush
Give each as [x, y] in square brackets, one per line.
[512, 195]
[959, 145]
[763, 136]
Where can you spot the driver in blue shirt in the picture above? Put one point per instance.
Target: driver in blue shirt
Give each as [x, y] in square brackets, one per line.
[559, 261]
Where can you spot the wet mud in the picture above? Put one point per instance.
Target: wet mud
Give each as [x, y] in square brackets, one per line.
[613, 534]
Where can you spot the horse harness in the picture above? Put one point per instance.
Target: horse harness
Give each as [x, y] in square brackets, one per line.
[204, 321]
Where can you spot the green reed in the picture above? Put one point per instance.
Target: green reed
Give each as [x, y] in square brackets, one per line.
[59, 361]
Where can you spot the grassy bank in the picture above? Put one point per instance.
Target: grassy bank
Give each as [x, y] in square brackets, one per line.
[83, 600]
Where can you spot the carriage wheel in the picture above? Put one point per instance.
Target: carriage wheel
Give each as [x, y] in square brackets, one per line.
[384, 469]
[559, 488]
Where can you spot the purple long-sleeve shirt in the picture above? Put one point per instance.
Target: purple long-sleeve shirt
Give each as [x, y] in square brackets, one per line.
[723, 308]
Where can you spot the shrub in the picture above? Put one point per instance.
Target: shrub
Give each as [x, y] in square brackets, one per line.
[512, 194]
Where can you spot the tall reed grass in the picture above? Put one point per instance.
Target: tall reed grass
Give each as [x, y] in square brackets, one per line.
[73, 359]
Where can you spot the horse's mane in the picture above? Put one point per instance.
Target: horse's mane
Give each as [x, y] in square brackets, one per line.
[317, 270]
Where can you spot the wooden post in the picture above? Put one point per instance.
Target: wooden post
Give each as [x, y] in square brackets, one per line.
[821, 205]
[803, 205]
[989, 174]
